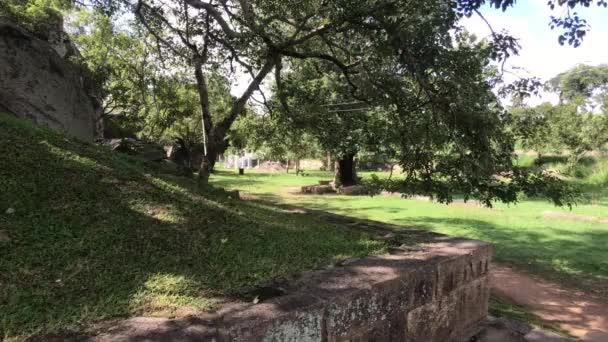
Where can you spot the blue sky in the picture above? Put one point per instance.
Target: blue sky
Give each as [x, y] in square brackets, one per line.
[541, 54]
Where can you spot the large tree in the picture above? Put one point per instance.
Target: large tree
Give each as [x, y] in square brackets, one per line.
[585, 86]
[263, 35]
[396, 54]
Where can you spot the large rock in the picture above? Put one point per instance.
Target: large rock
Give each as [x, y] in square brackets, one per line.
[38, 84]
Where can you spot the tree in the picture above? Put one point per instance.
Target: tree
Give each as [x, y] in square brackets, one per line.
[40, 17]
[396, 56]
[158, 105]
[260, 35]
[577, 123]
[273, 139]
[583, 85]
[319, 103]
[533, 128]
[578, 132]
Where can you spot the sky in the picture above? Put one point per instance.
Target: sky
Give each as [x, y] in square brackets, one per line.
[541, 55]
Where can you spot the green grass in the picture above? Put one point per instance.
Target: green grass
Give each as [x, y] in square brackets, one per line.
[95, 235]
[570, 252]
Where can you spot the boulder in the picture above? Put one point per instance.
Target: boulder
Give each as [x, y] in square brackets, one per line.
[36, 83]
[145, 150]
[179, 153]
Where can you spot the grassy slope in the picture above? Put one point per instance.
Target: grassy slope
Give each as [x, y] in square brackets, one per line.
[97, 235]
[571, 252]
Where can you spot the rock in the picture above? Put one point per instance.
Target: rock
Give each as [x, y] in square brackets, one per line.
[317, 189]
[353, 190]
[10, 211]
[538, 335]
[145, 150]
[36, 83]
[180, 155]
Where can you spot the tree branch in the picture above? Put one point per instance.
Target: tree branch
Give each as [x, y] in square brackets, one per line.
[229, 31]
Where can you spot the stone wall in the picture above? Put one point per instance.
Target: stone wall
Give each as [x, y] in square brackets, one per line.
[435, 291]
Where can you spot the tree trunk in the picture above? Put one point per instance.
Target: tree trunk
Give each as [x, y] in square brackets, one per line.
[214, 135]
[539, 159]
[287, 165]
[204, 173]
[330, 166]
[346, 173]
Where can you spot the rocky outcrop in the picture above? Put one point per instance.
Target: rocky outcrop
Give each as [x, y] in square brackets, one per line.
[38, 84]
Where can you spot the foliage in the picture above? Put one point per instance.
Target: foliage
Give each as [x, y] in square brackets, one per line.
[96, 235]
[574, 125]
[322, 106]
[559, 128]
[579, 132]
[574, 27]
[532, 128]
[379, 38]
[158, 105]
[37, 16]
[271, 139]
[584, 85]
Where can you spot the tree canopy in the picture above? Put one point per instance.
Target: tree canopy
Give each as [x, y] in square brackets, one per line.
[427, 84]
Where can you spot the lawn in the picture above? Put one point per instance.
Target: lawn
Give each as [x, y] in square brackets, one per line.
[88, 235]
[571, 252]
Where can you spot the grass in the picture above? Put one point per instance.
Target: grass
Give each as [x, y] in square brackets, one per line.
[88, 235]
[567, 251]
[501, 307]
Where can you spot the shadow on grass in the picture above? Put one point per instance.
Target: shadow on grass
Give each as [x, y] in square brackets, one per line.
[95, 236]
[577, 259]
[573, 257]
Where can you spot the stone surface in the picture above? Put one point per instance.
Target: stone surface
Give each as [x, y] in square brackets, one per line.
[38, 84]
[438, 292]
[353, 190]
[538, 335]
[318, 189]
[508, 330]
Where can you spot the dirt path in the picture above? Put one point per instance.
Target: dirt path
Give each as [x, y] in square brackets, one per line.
[581, 315]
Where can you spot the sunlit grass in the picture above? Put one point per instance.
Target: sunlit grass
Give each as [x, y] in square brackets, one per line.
[93, 235]
[569, 251]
